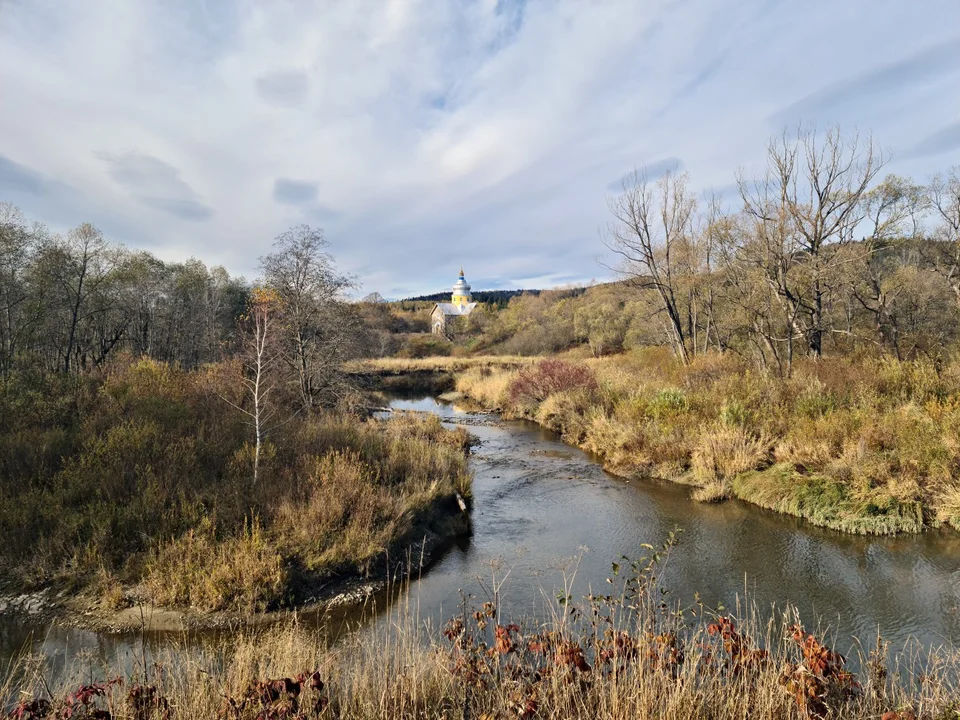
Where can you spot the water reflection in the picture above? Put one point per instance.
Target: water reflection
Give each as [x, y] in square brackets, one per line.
[539, 503]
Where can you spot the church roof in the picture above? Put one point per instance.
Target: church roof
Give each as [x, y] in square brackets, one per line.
[451, 309]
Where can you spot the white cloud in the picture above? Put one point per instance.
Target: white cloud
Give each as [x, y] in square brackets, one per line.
[437, 132]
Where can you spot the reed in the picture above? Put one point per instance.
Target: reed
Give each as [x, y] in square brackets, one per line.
[616, 657]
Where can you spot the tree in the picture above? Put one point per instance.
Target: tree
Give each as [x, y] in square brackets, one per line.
[652, 235]
[17, 250]
[69, 303]
[602, 326]
[944, 195]
[71, 274]
[892, 214]
[807, 205]
[259, 357]
[320, 330]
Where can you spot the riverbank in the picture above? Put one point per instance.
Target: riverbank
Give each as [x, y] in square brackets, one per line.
[866, 447]
[612, 658]
[432, 375]
[89, 609]
[538, 506]
[134, 490]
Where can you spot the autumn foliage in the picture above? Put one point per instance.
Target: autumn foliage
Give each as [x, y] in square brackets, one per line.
[140, 478]
[535, 384]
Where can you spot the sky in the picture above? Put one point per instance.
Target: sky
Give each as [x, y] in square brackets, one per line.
[426, 135]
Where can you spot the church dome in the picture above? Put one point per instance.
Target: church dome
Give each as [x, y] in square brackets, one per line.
[461, 291]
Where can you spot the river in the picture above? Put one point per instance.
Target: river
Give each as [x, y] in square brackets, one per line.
[544, 513]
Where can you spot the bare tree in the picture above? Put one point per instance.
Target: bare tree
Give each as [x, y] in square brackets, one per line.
[319, 328]
[652, 234]
[893, 212]
[944, 193]
[807, 205]
[17, 250]
[72, 273]
[259, 356]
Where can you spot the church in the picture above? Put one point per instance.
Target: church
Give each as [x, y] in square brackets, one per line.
[461, 304]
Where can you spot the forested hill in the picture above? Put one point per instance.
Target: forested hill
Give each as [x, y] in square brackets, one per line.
[497, 297]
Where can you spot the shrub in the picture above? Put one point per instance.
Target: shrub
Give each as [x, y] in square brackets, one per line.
[734, 414]
[421, 346]
[534, 385]
[667, 403]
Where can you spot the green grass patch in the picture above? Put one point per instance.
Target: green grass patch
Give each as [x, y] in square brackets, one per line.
[825, 502]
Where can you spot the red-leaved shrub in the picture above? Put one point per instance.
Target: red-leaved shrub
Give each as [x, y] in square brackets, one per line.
[535, 384]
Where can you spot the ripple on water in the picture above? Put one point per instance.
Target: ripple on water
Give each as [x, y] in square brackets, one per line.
[538, 503]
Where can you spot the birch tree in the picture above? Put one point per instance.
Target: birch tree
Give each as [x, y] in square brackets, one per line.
[260, 327]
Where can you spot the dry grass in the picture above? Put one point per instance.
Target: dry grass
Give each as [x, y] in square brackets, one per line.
[615, 658]
[395, 365]
[487, 386]
[196, 570]
[866, 446]
[720, 455]
[343, 494]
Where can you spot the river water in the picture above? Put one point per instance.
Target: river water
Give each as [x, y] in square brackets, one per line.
[546, 516]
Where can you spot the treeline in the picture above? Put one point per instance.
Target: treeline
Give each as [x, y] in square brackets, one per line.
[71, 302]
[818, 254]
[499, 298]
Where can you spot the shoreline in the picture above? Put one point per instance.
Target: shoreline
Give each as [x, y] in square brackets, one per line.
[750, 487]
[864, 526]
[86, 610]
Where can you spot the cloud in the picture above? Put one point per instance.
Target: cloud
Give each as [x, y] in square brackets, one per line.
[17, 179]
[889, 80]
[284, 88]
[57, 203]
[294, 192]
[426, 135]
[943, 140]
[651, 171]
[156, 184]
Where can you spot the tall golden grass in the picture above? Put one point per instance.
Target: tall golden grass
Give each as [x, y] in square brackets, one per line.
[345, 494]
[434, 364]
[619, 657]
[858, 445]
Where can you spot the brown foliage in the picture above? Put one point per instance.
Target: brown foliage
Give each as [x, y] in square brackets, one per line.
[536, 384]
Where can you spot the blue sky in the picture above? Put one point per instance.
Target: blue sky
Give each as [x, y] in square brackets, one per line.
[423, 135]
